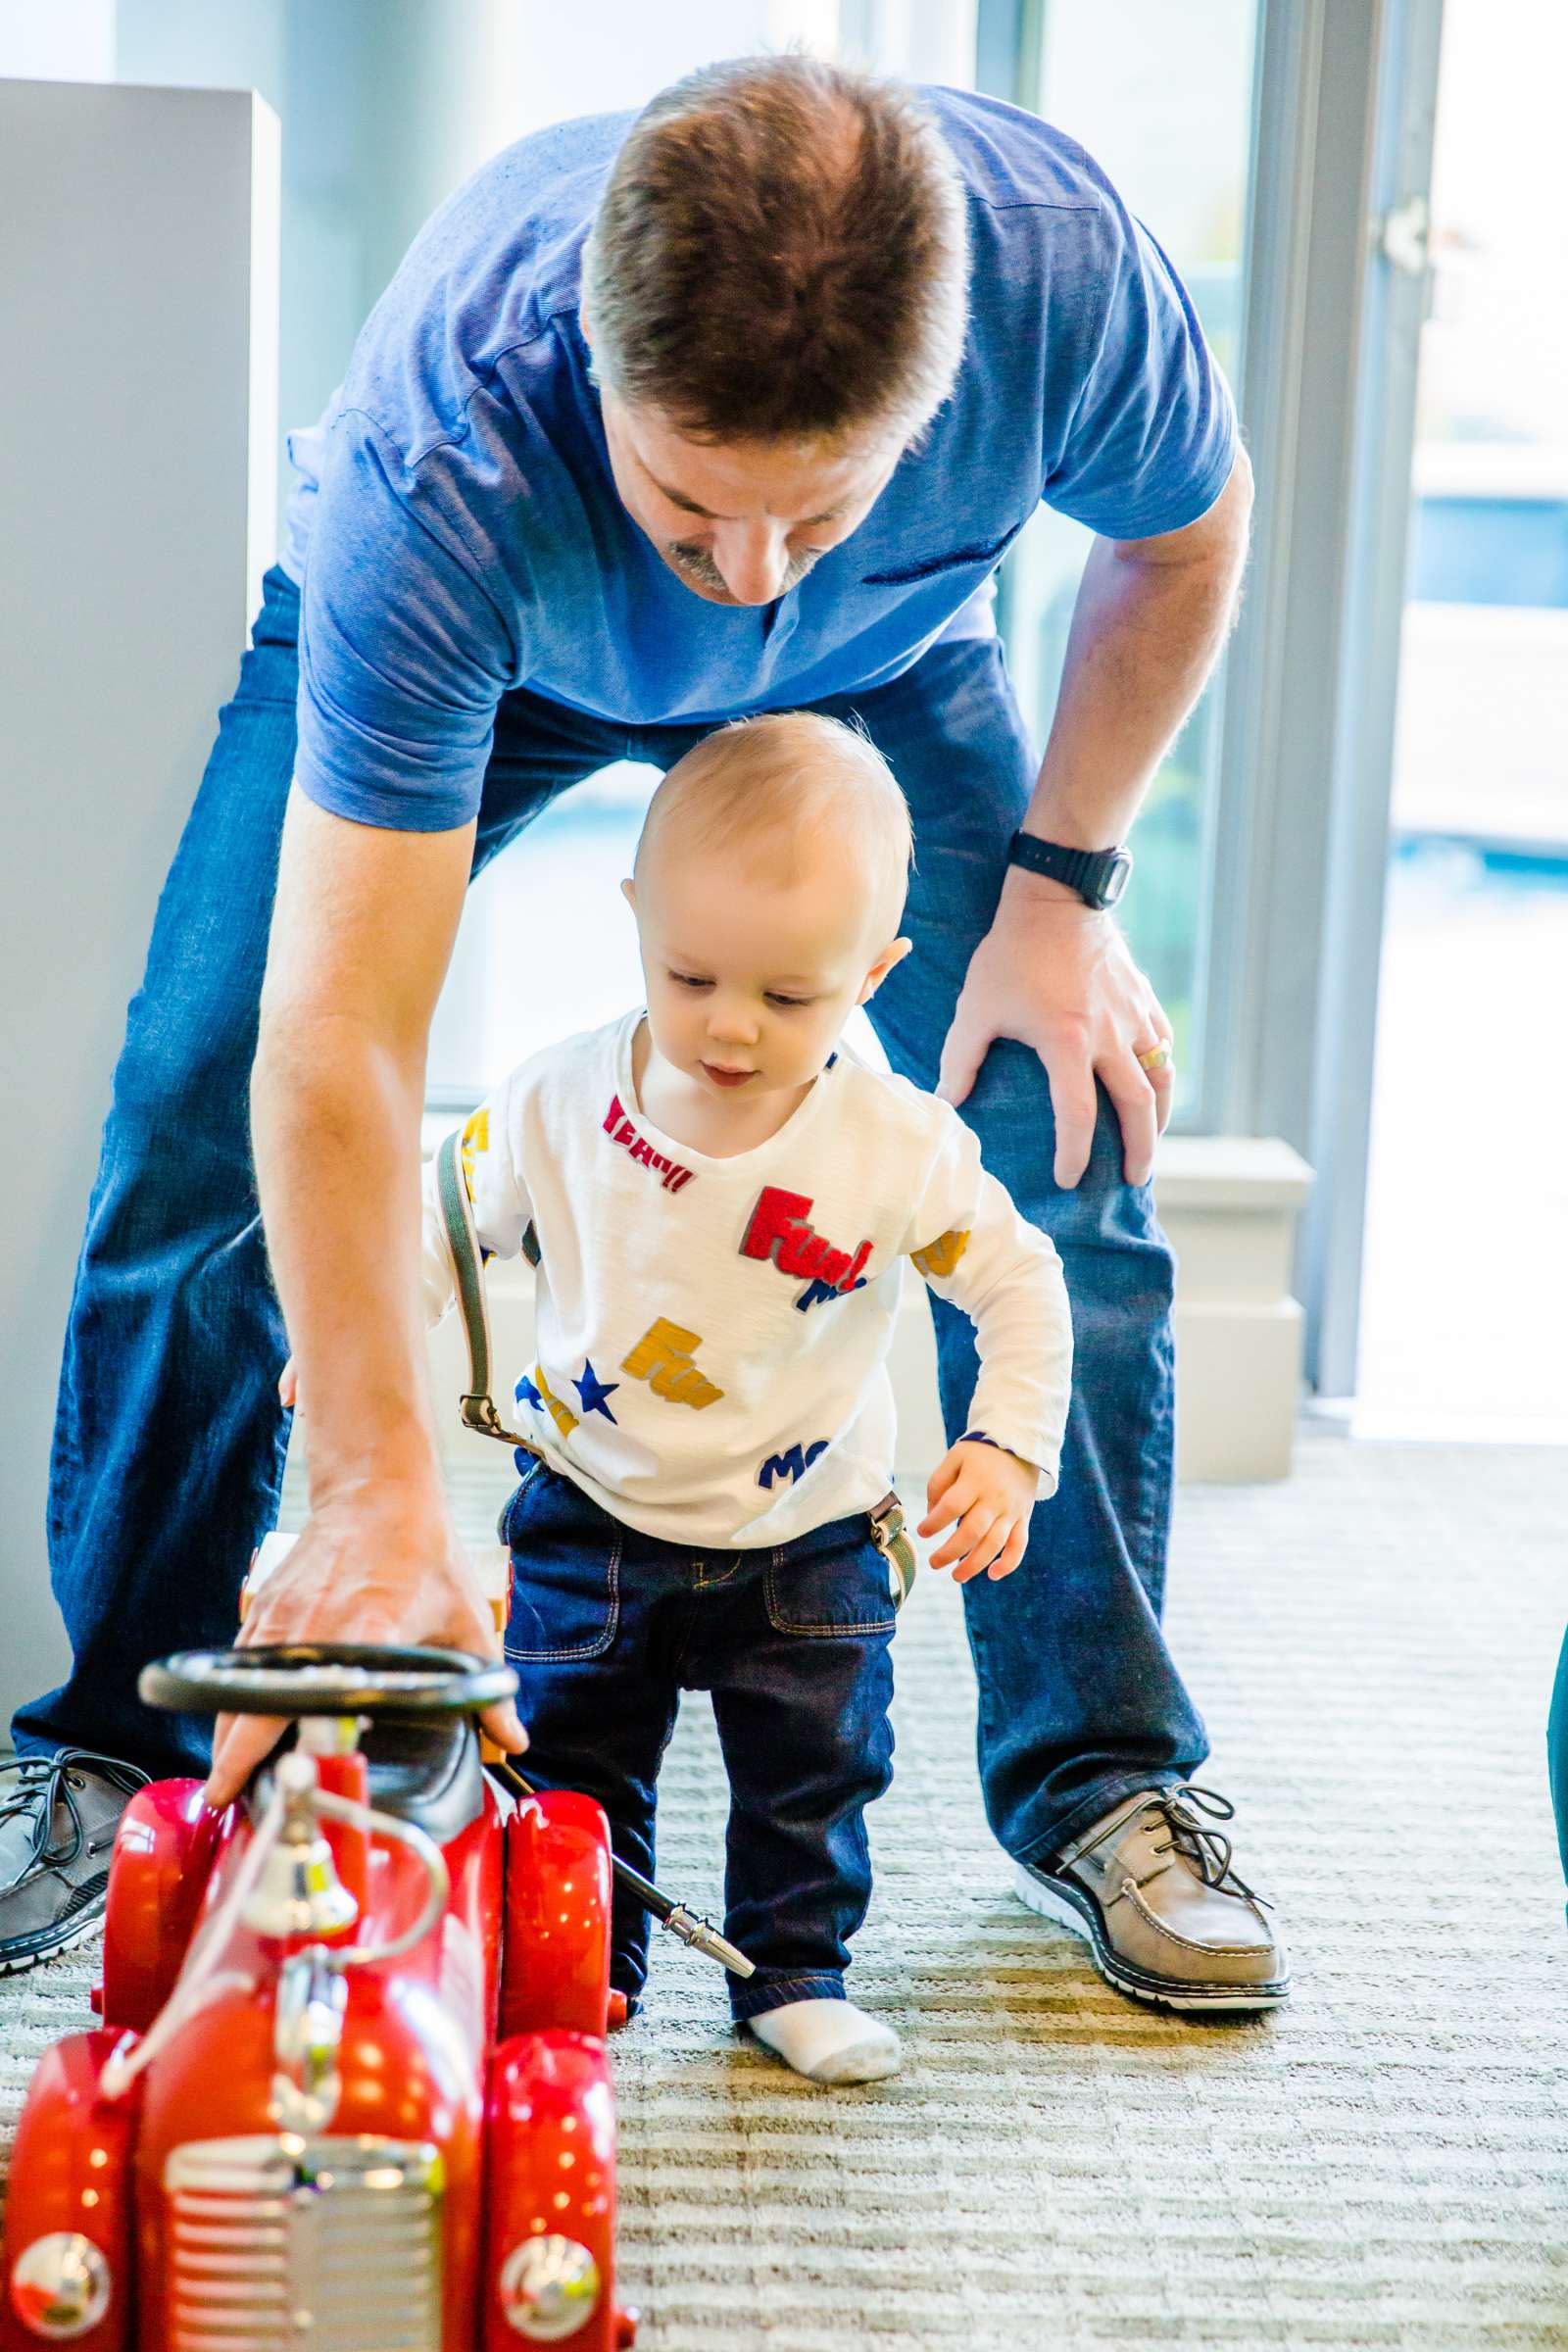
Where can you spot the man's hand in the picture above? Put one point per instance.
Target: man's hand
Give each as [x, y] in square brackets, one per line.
[1148, 626]
[383, 1565]
[989, 1493]
[1059, 976]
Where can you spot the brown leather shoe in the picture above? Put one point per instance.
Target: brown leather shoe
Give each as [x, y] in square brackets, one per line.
[58, 1818]
[1152, 1889]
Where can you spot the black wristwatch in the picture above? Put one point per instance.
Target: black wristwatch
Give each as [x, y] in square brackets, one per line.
[1098, 876]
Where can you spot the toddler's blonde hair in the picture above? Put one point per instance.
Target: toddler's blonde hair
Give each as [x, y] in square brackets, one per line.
[767, 790]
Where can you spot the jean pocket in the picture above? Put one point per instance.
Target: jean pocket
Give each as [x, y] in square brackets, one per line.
[566, 1573]
[510, 1509]
[830, 1596]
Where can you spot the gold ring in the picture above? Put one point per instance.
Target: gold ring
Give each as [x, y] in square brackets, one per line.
[1158, 1058]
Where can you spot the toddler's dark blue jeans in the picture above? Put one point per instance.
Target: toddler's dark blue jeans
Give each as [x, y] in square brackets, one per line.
[608, 1627]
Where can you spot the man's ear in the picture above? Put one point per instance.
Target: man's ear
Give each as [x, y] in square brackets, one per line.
[894, 953]
[582, 319]
[628, 891]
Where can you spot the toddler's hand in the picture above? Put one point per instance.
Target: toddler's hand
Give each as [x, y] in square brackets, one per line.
[288, 1384]
[991, 1495]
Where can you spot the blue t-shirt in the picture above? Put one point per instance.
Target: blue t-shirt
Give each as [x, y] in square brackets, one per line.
[466, 536]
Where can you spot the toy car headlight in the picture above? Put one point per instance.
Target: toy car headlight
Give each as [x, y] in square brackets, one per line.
[60, 2285]
[549, 2288]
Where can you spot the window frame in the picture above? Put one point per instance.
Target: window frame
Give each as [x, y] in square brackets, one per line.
[1297, 832]
[1010, 41]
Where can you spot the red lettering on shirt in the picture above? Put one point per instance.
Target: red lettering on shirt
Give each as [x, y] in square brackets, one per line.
[802, 1252]
[773, 1219]
[670, 1173]
[779, 1228]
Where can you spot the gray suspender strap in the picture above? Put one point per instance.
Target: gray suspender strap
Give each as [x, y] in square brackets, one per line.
[477, 1406]
[887, 1533]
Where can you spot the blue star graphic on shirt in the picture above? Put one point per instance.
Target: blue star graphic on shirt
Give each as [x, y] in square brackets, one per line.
[593, 1390]
[526, 1394]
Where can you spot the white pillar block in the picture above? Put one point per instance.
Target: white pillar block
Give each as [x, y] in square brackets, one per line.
[1229, 1204]
[138, 298]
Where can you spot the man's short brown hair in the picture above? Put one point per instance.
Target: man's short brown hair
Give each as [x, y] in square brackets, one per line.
[780, 254]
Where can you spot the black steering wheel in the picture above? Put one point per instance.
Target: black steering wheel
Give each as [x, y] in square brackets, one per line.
[325, 1678]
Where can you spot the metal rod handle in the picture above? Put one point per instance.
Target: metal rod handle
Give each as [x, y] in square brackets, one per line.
[670, 1914]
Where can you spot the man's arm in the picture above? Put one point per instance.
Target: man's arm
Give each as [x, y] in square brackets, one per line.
[361, 933]
[1150, 619]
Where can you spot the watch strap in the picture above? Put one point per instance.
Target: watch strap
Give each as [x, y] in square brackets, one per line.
[1098, 876]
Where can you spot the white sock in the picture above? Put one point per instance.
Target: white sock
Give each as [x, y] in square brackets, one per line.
[831, 2041]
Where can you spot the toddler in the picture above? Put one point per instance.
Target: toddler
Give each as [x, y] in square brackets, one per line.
[720, 1199]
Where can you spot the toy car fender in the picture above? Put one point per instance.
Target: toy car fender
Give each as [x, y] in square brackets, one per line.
[551, 2195]
[556, 1970]
[163, 1852]
[69, 2218]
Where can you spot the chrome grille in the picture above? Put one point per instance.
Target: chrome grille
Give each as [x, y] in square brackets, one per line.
[303, 2245]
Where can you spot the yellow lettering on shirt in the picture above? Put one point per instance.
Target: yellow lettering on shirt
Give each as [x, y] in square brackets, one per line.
[939, 1257]
[563, 1420]
[663, 1358]
[475, 1139]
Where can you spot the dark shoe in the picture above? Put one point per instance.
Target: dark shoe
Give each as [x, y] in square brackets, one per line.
[1153, 1890]
[58, 1818]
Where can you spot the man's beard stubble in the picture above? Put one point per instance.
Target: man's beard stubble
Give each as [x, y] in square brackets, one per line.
[697, 564]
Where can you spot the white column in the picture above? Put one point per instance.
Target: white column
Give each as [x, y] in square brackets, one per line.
[138, 322]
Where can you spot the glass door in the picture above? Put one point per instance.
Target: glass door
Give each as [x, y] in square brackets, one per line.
[1162, 98]
[1464, 1291]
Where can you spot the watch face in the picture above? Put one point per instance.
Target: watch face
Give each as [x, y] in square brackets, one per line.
[1116, 881]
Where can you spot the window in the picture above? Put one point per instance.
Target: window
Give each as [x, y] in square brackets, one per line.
[1162, 99]
[1464, 1289]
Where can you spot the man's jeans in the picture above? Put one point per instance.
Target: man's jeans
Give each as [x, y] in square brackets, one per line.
[608, 1626]
[169, 1441]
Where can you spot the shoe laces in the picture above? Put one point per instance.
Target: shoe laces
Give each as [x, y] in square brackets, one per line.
[1187, 1811]
[42, 1782]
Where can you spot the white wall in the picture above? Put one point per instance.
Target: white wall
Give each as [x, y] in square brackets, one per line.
[65, 41]
[138, 300]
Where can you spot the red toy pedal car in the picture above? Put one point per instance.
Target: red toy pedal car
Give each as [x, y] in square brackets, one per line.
[350, 2093]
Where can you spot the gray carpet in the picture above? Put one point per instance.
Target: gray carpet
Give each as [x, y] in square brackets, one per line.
[1385, 2162]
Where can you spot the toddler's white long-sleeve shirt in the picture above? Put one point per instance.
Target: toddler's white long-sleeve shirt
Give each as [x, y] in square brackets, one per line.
[712, 1335]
